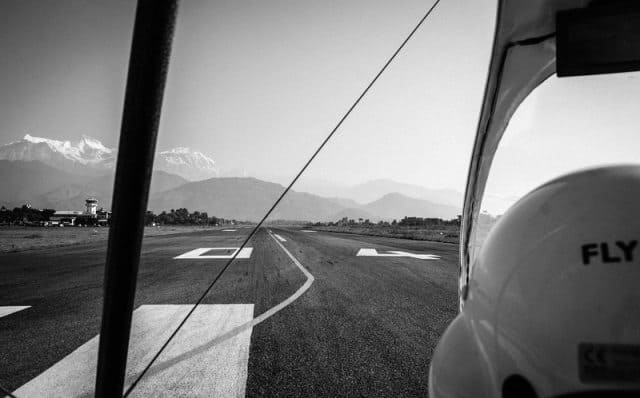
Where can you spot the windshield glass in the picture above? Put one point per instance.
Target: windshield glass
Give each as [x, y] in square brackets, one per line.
[564, 125]
[351, 280]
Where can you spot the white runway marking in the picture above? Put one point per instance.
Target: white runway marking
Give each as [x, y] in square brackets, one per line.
[177, 373]
[229, 230]
[394, 253]
[280, 238]
[10, 309]
[306, 230]
[223, 253]
[294, 296]
[217, 371]
[263, 317]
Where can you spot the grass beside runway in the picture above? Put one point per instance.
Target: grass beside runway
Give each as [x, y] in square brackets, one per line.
[19, 238]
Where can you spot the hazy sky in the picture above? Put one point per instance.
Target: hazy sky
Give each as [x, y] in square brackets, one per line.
[563, 126]
[63, 67]
[258, 84]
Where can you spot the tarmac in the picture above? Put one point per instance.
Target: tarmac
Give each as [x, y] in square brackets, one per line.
[299, 314]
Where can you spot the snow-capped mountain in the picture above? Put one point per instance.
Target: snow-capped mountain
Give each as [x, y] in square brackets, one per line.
[90, 156]
[192, 165]
[88, 153]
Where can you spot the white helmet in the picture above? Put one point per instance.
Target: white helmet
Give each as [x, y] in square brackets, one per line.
[553, 306]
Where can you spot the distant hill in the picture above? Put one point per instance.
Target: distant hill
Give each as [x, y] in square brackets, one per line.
[250, 198]
[163, 181]
[348, 203]
[375, 189]
[25, 182]
[44, 186]
[241, 198]
[244, 199]
[71, 196]
[397, 206]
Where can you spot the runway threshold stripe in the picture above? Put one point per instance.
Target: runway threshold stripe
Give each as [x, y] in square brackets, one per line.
[188, 367]
[10, 309]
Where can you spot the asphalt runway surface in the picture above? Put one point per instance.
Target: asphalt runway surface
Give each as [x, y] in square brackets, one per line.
[349, 326]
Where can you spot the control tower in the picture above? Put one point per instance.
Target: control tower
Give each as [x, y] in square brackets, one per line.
[92, 206]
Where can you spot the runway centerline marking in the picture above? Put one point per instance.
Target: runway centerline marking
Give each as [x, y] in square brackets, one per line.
[396, 253]
[10, 309]
[229, 230]
[199, 253]
[219, 371]
[306, 230]
[280, 238]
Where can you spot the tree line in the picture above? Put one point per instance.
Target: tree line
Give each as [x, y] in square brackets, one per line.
[405, 222]
[182, 216]
[26, 215]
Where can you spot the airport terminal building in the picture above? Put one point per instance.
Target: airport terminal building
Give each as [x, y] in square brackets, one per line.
[90, 216]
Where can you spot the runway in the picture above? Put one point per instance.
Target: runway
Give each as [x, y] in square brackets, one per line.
[350, 325]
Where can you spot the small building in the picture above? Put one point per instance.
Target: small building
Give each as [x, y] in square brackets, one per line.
[103, 217]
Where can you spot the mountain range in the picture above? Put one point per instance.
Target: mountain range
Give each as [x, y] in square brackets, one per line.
[89, 156]
[372, 190]
[43, 186]
[59, 174]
